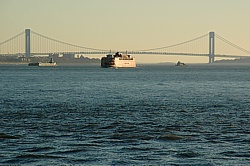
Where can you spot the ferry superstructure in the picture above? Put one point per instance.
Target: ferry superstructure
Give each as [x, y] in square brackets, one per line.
[118, 60]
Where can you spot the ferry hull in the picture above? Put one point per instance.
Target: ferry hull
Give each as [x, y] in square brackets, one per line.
[42, 64]
[47, 64]
[50, 63]
[118, 61]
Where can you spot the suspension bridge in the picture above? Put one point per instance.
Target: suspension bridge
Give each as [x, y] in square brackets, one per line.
[29, 43]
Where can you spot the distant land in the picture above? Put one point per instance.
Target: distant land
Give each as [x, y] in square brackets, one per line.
[224, 61]
[233, 61]
[66, 58]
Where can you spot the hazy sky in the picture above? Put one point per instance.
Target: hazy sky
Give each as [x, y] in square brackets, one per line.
[128, 24]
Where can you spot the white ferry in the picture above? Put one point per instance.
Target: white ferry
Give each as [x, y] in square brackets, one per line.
[118, 61]
[50, 63]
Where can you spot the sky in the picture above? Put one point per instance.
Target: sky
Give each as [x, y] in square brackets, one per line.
[129, 24]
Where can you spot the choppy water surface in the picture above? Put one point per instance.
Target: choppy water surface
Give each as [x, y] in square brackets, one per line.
[194, 115]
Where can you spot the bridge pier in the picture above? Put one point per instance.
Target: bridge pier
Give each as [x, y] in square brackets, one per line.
[27, 43]
[211, 47]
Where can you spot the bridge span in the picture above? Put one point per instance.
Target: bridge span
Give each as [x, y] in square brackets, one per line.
[29, 43]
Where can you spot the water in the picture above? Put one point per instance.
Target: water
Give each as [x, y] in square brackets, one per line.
[151, 115]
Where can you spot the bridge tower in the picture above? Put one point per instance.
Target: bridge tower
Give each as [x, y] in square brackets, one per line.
[27, 43]
[211, 47]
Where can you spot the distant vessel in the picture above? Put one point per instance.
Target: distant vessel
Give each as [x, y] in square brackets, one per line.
[179, 63]
[118, 61]
[50, 63]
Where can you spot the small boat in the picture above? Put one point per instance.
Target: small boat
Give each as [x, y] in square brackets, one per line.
[179, 63]
[118, 60]
[33, 64]
[49, 63]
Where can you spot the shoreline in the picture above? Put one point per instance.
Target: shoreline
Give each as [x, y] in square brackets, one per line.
[69, 64]
[14, 63]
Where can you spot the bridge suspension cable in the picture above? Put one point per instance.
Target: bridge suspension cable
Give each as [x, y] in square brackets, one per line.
[12, 38]
[174, 45]
[13, 45]
[232, 44]
[67, 44]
